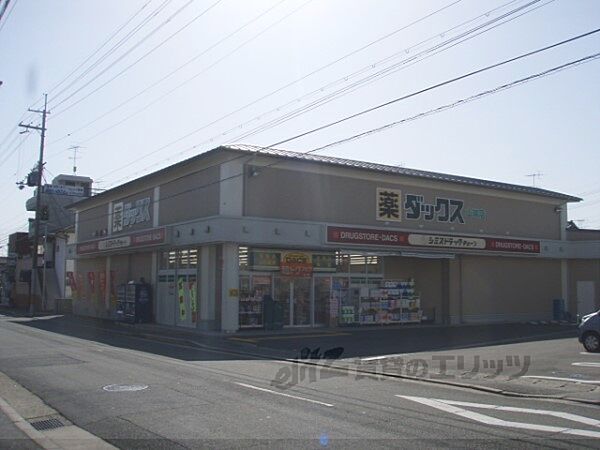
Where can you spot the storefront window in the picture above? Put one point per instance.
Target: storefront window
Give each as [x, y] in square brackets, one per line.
[310, 287]
[243, 255]
[168, 260]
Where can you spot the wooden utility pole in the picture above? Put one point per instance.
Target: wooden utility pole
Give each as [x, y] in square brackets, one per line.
[38, 200]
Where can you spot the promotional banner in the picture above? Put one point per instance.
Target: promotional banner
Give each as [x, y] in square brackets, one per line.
[113, 287]
[181, 297]
[92, 284]
[80, 285]
[102, 279]
[72, 282]
[193, 299]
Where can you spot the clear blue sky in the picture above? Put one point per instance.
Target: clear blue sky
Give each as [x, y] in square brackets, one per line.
[548, 126]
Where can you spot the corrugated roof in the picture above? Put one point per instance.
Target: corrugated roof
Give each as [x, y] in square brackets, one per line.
[400, 171]
[332, 160]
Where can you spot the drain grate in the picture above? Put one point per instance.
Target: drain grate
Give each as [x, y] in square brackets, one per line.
[47, 424]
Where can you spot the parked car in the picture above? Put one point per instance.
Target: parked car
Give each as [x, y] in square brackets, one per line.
[589, 332]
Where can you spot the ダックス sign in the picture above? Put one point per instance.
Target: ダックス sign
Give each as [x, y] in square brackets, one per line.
[296, 264]
[392, 238]
[126, 215]
[144, 238]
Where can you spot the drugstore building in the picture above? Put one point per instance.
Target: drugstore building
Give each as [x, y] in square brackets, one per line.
[332, 241]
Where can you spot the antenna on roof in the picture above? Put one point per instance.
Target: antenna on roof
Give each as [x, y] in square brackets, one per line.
[75, 148]
[534, 176]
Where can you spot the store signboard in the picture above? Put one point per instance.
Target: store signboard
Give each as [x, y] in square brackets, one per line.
[141, 239]
[76, 191]
[263, 260]
[126, 215]
[429, 240]
[296, 264]
[323, 262]
[391, 238]
[389, 205]
[392, 206]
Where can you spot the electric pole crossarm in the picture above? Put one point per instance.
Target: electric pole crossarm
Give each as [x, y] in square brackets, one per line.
[31, 127]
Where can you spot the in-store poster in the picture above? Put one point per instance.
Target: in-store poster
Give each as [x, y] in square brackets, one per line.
[92, 284]
[193, 300]
[102, 279]
[113, 287]
[181, 297]
[80, 285]
[72, 284]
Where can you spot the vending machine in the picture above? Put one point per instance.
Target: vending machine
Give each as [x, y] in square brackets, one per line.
[134, 302]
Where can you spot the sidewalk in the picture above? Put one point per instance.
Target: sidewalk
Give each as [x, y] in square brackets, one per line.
[26, 422]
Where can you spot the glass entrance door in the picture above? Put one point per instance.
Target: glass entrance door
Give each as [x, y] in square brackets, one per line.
[293, 294]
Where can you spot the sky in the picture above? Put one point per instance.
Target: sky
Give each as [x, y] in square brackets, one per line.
[142, 84]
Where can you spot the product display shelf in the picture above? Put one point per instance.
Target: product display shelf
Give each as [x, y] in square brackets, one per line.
[251, 312]
[392, 302]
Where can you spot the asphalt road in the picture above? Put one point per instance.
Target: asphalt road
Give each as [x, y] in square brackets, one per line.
[198, 398]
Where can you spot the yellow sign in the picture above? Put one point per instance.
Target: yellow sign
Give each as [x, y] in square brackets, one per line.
[233, 292]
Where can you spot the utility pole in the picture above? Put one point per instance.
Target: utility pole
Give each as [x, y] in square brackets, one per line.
[38, 199]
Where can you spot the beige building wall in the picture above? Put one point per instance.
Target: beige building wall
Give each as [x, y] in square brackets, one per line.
[583, 270]
[351, 199]
[427, 274]
[190, 197]
[91, 222]
[509, 289]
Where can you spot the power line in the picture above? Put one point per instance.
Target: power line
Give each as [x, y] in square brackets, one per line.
[106, 41]
[149, 52]
[444, 46]
[115, 46]
[293, 101]
[461, 102]
[236, 49]
[165, 77]
[12, 8]
[438, 85]
[553, 70]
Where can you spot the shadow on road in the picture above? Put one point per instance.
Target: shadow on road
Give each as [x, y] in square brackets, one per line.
[353, 343]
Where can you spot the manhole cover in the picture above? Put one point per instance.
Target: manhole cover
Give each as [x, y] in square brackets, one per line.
[47, 424]
[125, 387]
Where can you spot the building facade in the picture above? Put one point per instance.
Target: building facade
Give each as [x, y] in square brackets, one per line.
[331, 241]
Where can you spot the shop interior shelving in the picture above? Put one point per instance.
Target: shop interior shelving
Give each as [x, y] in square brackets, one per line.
[391, 302]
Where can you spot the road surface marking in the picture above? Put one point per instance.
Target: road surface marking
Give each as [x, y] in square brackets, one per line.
[281, 338]
[283, 394]
[451, 407]
[586, 364]
[589, 354]
[375, 358]
[574, 380]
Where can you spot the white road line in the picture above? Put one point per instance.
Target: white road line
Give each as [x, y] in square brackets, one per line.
[589, 354]
[574, 380]
[283, 394]
[543, 412]
[586, 364]
[449, 407]
[375, 358]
